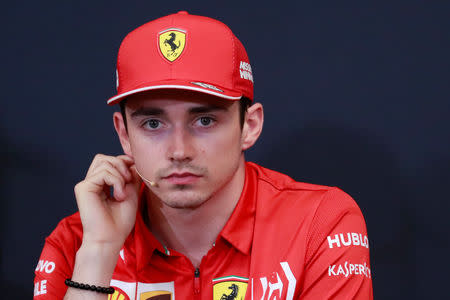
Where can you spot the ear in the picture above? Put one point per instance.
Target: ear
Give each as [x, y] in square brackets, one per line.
[119, 125]
[253, 124]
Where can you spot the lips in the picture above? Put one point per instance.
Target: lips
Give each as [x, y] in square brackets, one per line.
[182, 178]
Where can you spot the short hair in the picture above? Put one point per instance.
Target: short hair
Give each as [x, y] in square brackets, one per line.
[244, 104]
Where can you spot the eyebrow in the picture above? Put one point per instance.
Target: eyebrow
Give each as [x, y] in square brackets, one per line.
[206, 109]
[154, 111]
[147, 111]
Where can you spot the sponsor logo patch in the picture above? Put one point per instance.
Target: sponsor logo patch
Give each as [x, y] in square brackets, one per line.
[229, 288]
[156, 291]
[245, 70]
[118, 295]
[45, 266]
[156, 295]
[40, 288]
[347, 269]
[277, 285]
[172, 42]
[143, 291]
[347, 239]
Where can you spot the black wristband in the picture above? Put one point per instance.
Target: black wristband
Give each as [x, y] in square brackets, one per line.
[94, 288]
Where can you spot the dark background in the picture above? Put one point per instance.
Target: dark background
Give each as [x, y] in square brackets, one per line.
[356, 95]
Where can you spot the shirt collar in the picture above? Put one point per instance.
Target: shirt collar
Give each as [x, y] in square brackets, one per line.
[239, 228]
[145, 242]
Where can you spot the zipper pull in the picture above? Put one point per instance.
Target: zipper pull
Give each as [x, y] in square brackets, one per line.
[197, 281]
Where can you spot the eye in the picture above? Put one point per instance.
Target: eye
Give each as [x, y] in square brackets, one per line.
[205, 121]
[153, 124]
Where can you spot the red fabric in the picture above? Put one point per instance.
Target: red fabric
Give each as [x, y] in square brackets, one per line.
[284, 240]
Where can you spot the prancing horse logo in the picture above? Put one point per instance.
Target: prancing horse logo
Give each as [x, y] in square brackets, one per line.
[234, 292]
[171, 43]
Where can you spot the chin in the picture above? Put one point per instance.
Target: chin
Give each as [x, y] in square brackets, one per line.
[185, 199]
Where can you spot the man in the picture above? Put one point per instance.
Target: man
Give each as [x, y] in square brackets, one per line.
[188, 217]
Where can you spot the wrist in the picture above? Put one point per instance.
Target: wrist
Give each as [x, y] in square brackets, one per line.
[95, 263]
[92, 245]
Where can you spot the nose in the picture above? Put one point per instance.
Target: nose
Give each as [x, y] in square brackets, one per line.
[180, 148]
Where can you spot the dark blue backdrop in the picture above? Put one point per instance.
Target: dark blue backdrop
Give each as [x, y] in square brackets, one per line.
[356, 94]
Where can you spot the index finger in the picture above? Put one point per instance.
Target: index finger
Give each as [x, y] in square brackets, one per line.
[127, 159]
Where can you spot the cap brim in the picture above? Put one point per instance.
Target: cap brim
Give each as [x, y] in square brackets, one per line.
[190, 85]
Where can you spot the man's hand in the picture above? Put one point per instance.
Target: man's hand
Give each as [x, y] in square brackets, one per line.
[107, 220]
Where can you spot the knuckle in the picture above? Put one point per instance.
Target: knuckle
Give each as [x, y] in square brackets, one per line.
[78, 186]
[98, 156]
[102, 162]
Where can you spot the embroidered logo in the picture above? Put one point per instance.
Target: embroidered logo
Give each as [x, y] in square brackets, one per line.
[156, 295]
[172, 42]
[229, 288]
[245, 70]
[118, 295]
[278, 285]
[144, 291]
[156, 291]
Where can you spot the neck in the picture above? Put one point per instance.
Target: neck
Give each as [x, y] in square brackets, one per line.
[193, 231]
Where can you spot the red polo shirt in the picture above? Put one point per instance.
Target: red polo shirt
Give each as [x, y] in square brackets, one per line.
[284, 240]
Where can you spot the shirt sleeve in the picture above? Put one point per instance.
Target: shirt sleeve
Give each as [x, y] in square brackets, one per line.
[337, 257]
[55, 264]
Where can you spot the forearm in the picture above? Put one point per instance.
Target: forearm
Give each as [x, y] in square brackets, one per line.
[94, 265]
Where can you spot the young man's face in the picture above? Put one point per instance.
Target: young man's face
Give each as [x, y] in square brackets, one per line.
[190, 144]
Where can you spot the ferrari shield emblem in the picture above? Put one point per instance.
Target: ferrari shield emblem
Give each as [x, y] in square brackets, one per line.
[171, 43]
[229, 288]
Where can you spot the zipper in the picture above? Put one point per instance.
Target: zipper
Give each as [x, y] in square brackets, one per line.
[197, 281]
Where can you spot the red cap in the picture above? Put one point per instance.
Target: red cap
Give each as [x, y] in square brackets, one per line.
[183, 51]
